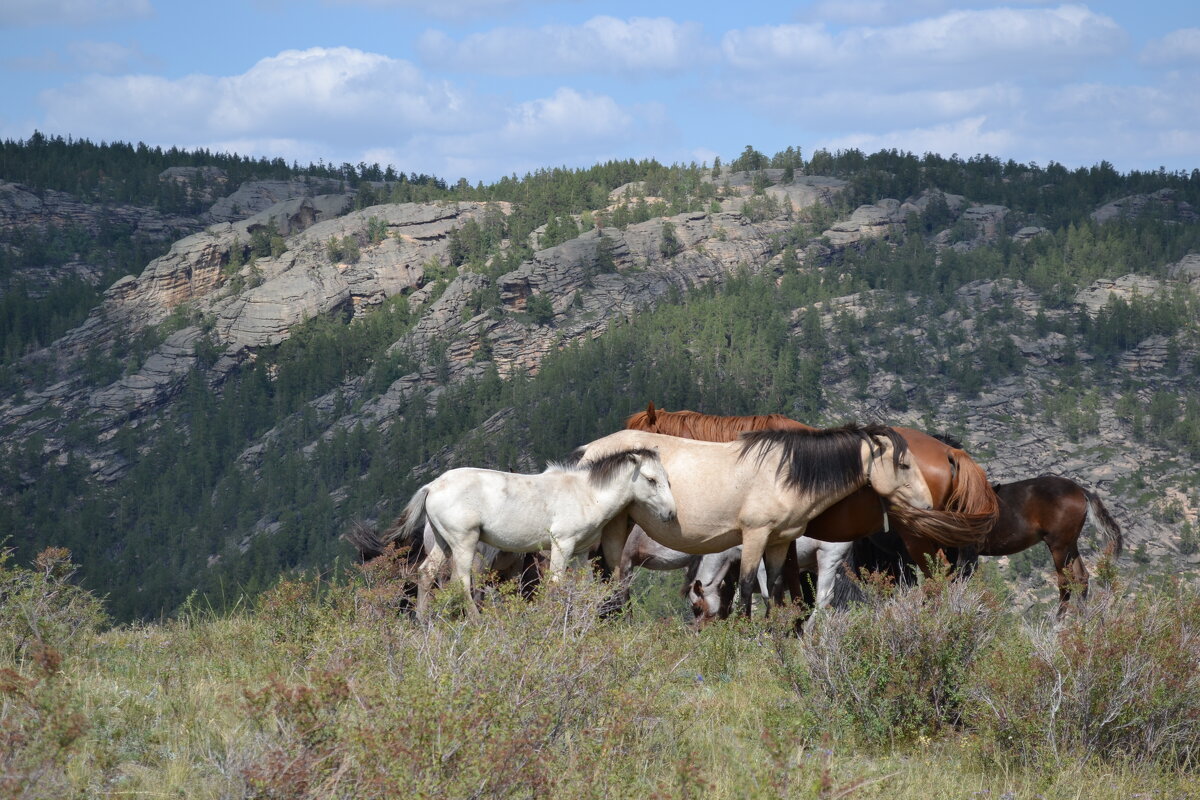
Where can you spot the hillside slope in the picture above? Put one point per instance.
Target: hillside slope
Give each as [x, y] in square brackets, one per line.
[224, 414]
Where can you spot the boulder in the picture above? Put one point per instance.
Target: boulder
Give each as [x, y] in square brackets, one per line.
[255, 196]
[266, 314]
[867, 221]
[1164, 202]
[1102, 290]
[160, 377]
[1186, 269]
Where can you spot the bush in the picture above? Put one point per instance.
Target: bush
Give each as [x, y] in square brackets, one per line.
[42, 615]
[40, 609]
[1121, 678]
[897, 665]
[457, 708]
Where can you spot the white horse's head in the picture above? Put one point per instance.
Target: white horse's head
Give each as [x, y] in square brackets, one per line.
[651, 487]
[897, 479]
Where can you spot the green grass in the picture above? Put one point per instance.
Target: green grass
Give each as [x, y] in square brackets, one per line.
[328, 691]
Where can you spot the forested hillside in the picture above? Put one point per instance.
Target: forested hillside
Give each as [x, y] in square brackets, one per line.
[302, 348]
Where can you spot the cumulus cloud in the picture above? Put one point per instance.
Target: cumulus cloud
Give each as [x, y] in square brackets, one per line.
[1006, 38]
[319, 91]
[1181, 47]
[603, 44]
[70, 12]
[340, 104]
[567, 127]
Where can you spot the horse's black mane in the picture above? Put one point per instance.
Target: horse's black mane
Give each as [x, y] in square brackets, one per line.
[603, 469]
[948, 440]
[821, 460]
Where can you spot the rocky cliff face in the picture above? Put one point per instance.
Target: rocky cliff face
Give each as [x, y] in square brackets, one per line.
[207, 289]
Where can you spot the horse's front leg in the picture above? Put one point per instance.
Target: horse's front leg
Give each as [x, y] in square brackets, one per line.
[754, 545]
[561, 552]
[775, 558]
[613, 537]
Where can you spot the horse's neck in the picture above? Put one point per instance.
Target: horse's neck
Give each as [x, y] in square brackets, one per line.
[613, 496]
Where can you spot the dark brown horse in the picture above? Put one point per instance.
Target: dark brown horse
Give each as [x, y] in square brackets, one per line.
[964, 504]
[1049, 509]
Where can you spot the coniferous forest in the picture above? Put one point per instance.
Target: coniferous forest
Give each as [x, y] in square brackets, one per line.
[234, 484]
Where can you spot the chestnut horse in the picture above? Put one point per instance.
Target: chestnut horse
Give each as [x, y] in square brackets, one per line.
[1049, 509]
[964, 504]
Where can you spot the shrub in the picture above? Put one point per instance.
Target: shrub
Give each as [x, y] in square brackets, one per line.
[897, 665]
[42, 615]
[1119, 678]
[540, 309]
[41, 610]
[456, 708]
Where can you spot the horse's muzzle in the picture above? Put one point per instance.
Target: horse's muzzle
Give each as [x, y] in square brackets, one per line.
[670, 516]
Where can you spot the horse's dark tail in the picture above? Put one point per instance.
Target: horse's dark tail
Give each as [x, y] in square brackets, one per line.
[363, 537]
[1098, 515]
[404, 532]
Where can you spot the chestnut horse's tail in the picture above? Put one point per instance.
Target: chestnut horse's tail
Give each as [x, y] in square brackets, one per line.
[1098, 515]
[970, 491]
[970, 510]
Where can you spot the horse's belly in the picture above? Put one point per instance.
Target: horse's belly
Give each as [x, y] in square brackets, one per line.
[695, 539]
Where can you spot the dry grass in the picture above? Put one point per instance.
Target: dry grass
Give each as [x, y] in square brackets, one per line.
[323, 691]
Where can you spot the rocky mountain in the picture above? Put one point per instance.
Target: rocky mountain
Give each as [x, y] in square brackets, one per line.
[998, 361]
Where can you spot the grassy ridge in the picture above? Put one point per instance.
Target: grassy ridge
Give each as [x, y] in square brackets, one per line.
[328, 691]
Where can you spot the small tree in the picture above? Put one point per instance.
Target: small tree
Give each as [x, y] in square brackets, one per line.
[670, 244]
[540, 309]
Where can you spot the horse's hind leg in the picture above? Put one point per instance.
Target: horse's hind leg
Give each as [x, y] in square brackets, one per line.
[427, 574]
[462, 549]
[1067, 558]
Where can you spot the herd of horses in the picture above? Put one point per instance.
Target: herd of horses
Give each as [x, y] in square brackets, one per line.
[745, 505]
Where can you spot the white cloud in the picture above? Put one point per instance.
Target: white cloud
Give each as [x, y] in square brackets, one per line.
[70, 12]
[339, 93]
[965, 137]
[603, 44]
[886, 12]
[1179, 47]
[1136, 127]
[342, 104]
[567, 127]
[1004, 38]
[454, 10]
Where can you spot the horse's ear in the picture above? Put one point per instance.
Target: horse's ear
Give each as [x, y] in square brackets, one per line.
[650, 415]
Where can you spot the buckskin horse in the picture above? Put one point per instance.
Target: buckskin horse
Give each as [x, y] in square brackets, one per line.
[964, 503]
[762, 490]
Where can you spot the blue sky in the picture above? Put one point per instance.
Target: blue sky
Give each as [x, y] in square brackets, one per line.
[484, 88]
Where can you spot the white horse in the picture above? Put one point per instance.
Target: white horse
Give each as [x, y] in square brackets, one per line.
[562, 509]
[761, 490]
[711, 595]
